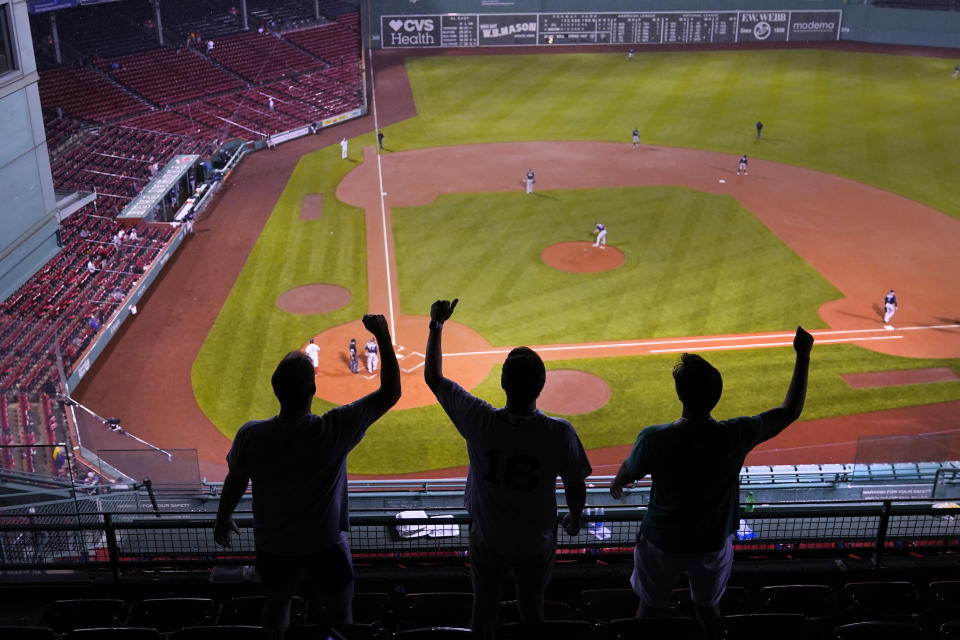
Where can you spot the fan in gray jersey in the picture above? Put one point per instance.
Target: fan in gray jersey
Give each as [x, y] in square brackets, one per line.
[516, 454]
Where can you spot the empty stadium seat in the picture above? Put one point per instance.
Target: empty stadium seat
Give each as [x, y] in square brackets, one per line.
[552, 629]
[877, 630]
[653, 628]
[735, 601]
[783, 626]
[67, 615]
[418, 610]
[169, 614]
[604, 605]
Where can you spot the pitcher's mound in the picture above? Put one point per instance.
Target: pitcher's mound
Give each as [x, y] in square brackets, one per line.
[569, 391]
[313, 298]
[582, 257]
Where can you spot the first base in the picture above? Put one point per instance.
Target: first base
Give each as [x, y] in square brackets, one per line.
[722, 181]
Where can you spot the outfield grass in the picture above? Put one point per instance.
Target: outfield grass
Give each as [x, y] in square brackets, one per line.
[884, 120]
[696, 264]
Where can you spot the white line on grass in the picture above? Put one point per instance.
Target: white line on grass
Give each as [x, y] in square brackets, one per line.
[756, 345]
[383, 206]
[695, 343]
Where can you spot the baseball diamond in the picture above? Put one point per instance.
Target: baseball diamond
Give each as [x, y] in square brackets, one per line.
[712, 262]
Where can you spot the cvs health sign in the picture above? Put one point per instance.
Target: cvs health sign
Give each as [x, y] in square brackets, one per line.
[410, 31]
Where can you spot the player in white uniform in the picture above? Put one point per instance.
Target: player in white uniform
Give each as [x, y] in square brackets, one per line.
[372, 358]
[343, 148]
[313, 352]
[601, 233]
[742, 169]
[516, 454]
[636, 138]
[530, 181]
[890, 306]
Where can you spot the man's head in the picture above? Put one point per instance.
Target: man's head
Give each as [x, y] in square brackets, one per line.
[293, 380]
[698, 383]
[523, 375]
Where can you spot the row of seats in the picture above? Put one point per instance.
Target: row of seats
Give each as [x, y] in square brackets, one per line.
[56, 302]
[261, 57]
[169, 76]
[334, 42]
[873, 610]
[82, 93]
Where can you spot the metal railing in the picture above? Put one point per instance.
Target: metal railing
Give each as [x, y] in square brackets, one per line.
[119, 542]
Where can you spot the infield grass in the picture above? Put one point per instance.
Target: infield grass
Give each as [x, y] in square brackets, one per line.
[695, 264]
[890, 121]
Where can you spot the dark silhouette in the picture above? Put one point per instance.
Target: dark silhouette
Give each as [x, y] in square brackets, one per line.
[759, 128]
[297, 463]
[516, 454]
[692, 517]
[380, 138]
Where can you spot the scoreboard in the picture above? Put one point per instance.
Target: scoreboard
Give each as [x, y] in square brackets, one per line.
[662, 27]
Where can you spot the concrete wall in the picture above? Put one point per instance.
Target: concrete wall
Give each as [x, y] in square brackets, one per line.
[27, 206]
[901, 26]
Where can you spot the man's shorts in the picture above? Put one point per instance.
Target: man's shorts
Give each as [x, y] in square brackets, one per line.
[330, 569]
[656, 573]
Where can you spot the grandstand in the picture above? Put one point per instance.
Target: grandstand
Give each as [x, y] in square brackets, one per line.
[117, 108]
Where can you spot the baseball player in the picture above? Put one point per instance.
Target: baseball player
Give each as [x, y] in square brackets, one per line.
[742, 169]
[630, 54]
[890, 306]
[636, 138]
[343, 148]
[601, 232]
[373, 359]
[354, 367]
[313, 352]
[530, 181]
[759, 128]
[956, 72]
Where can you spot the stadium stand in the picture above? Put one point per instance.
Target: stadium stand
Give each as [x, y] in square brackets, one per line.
[170, 76]
[84, 94]
[262, 57]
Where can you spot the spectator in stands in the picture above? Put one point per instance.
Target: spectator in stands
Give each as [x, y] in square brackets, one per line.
[209, 46]
[91, 266]
[94, 322]
[270, 103]
[516, 454]
[133, 237]
[297, 462]
[695, 463]
[84, 233]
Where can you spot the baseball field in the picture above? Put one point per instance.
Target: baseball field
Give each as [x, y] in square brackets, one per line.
[850, 193]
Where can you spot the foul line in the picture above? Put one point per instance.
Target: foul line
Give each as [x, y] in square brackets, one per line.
[695, 343]
[383, 206]
[754, 345]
